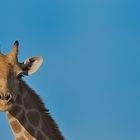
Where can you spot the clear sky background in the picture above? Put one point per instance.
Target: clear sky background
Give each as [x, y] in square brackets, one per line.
[90, 79]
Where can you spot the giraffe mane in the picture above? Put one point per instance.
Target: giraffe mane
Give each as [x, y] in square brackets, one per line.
[48, 120]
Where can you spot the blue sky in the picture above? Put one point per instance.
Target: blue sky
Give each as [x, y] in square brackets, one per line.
[90, 79]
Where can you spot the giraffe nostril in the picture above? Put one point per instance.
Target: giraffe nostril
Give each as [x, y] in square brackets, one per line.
[8, 97]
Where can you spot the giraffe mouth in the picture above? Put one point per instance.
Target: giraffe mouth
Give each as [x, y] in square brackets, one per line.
[5, 107]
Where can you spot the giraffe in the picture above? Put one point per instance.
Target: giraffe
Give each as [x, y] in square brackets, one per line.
[26, 113]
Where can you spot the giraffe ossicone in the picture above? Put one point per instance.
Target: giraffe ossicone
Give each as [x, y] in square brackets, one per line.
[27, 115]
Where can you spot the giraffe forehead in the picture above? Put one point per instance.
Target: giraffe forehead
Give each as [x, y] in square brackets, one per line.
[8, 59]
[7, 68]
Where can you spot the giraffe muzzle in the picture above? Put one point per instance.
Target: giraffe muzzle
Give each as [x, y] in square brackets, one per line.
[5, 97]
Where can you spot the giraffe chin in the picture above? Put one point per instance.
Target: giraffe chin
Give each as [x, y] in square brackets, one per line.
[4, 108]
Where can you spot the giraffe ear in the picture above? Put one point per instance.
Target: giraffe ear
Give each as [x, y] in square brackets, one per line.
[31, 65]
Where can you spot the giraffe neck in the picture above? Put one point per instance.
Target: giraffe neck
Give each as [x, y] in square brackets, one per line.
[29, 119]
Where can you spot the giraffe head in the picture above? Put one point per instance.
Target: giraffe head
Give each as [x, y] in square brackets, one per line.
[11, 72]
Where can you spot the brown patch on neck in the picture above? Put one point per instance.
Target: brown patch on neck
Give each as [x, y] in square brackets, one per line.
[28, 136]
[16, 127]
[27, 103]
[15, 111]
[41, 136]
[48, 126]
[48, 121]
[22, 118]
[9, 116]
[34, 118]
[18, 99]
[21, 138]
